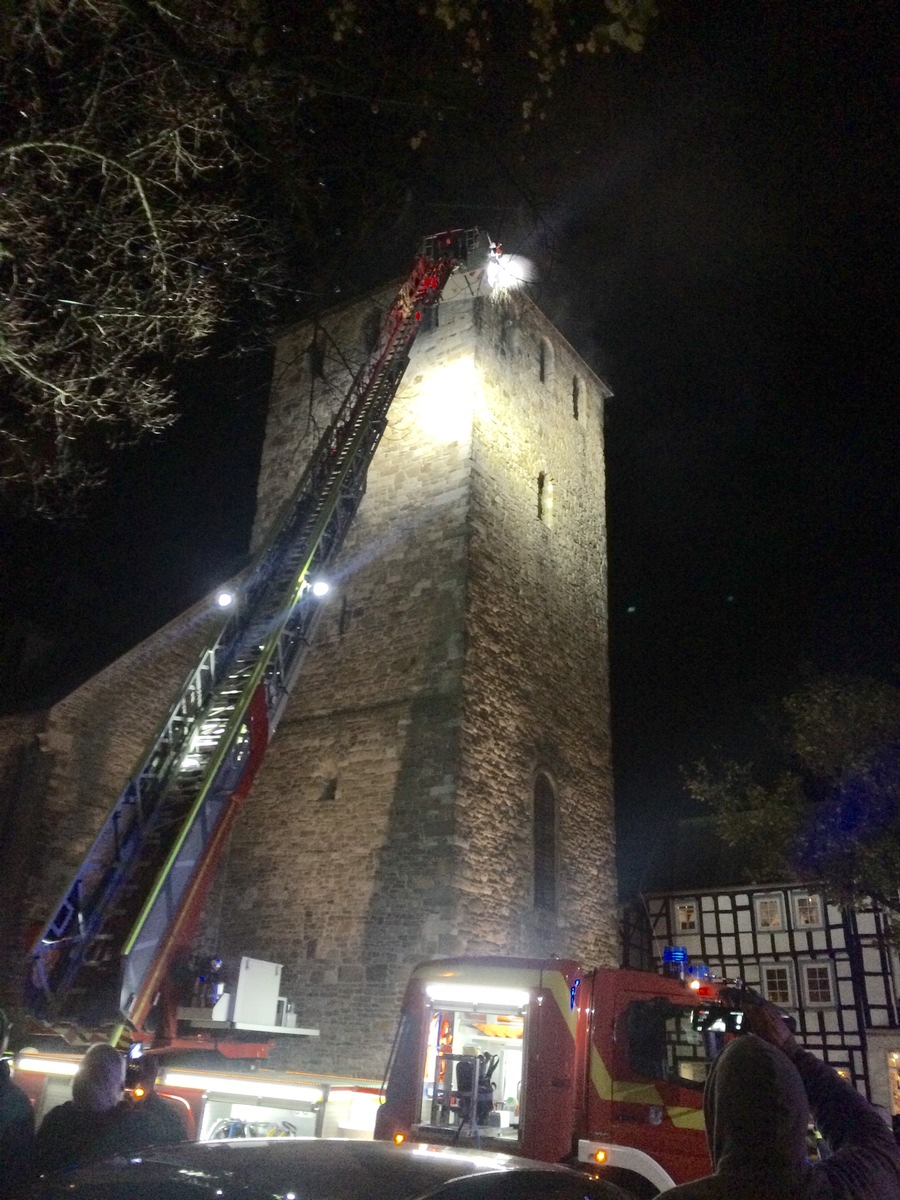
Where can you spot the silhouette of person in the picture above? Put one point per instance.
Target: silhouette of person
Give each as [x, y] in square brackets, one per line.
[16, 1137]
[152, 1119]
[92, 1125]
[757, 1103]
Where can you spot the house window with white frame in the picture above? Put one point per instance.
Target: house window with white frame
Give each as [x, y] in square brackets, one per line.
[687, 916]
[769, 912]
[807, 910]
[776, 984]
[818, 986]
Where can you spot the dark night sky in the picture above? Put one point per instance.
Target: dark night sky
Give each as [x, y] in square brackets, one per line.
[726, 267]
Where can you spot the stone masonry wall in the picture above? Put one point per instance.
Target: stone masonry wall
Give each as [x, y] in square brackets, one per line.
[79, 756]
[536, 680]
[20, 847]
[341, 864]
[463, 649]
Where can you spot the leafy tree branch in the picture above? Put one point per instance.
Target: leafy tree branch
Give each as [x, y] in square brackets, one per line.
[173, 171]
[830, 812]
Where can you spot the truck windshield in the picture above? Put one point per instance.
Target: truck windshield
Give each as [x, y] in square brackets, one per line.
[472, 1076]
[662, 1044]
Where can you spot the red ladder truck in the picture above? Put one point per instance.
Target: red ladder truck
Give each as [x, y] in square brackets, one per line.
[541, 1058]
[103, 966]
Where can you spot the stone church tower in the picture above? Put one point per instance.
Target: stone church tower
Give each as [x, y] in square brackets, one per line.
[441, 781]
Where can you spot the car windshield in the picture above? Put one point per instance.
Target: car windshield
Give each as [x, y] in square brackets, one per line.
[278, 1169]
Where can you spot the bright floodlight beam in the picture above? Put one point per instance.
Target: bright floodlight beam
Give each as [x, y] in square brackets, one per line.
[506, 272]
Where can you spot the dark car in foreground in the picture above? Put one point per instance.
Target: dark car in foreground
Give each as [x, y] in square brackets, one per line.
[317, 1169]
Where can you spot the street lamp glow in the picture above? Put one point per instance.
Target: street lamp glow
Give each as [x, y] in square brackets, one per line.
[320, 588]
[225, 598]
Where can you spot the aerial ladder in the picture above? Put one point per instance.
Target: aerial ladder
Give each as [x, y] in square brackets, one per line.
[102, 965]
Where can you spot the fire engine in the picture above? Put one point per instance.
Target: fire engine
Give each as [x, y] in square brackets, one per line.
[541, 1058]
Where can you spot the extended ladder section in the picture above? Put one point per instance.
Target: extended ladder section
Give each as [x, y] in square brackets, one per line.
[103, 956]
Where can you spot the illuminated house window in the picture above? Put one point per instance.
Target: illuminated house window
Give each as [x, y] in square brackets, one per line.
[817, 984]
[576, 395]
[686, 916]
[776, 985]
[769, 912]
[545, 361]
[544, 831]
[545, 499]
[807, 911]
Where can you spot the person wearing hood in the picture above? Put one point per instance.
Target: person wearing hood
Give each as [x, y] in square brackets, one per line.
[92, 1125]
[757, 1102]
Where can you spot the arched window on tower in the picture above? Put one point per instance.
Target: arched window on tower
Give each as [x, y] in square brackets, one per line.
[544, 833]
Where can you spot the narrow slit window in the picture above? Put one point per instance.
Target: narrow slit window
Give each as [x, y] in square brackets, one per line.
[545, 361]
[544, 832]
[576, 396]
[371, 330]
[315, 353]
[507, 334]
[545, 499]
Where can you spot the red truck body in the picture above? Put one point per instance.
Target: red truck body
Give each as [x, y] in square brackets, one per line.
[601, 1066]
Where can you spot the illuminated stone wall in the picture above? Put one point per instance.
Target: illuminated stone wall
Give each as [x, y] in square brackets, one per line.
[62, 770]
[463, 649]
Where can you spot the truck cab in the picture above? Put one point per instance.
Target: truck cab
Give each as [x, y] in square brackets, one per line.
[541, 1058]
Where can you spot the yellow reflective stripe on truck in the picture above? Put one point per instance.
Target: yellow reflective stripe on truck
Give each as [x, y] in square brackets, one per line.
[686, 1118]
[555, 983]
[641, 1093]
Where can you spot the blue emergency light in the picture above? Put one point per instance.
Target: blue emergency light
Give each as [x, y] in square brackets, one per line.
[675, 954]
